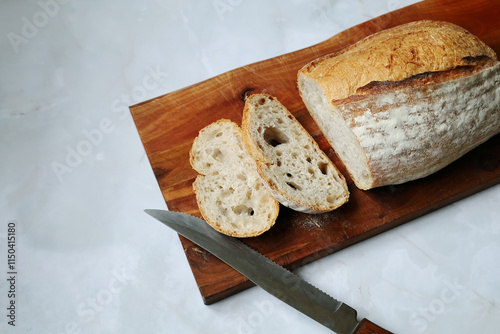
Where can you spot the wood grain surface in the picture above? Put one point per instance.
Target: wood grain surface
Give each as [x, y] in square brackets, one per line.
[168, 124]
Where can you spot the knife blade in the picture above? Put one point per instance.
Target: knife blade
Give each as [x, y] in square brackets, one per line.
[270, 276]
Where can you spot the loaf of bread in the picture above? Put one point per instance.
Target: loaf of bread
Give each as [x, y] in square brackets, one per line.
[230, 194]
[405, 102]
[297, 172]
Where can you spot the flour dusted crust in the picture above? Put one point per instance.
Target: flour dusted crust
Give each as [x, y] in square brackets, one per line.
[230, 194]
[405, 102]
[297, 172]
[413, 132]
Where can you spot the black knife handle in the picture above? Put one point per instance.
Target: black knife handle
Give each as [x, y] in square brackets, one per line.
[368, 327]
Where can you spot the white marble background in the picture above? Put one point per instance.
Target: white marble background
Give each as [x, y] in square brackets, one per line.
[74, 179]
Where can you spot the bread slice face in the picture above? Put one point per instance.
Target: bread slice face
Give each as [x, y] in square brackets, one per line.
[297, 172]
[430, 95]
[230, 194]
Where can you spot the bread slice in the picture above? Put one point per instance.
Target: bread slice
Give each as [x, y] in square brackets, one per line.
[403, 103]
[230, 194]
[296, 170]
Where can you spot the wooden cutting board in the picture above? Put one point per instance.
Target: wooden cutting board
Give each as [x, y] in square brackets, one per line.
[168, 124]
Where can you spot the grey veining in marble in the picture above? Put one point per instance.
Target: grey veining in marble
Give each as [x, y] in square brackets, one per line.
[74, 180]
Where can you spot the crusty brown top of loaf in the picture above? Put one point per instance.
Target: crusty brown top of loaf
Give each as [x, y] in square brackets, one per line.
[395, 54]
[474, 65]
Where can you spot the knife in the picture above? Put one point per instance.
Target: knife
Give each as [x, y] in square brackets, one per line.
[270, 276]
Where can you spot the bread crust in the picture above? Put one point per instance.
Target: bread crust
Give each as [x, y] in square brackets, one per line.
[395, 54]
[474, 65]
[414, 131]
[409, 100]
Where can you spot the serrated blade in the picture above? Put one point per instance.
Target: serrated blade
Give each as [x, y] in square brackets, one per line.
[265, 273]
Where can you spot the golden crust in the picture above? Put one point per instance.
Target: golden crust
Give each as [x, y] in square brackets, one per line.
[473, 66]
[395, 54]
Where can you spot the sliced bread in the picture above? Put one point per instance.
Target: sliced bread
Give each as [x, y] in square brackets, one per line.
[230, 194]
[297, 172]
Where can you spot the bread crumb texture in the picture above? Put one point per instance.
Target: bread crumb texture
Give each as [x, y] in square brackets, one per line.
[230, 194]
[298, 173]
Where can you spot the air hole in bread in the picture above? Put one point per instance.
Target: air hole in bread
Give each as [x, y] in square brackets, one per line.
[293, 185]
[217, 154]
[273, 142]
[219, 134]
[274, 137]
[242, 210]
[227, 192]
[308, 159]
[323, 167]
[288, 174]
[261, 101]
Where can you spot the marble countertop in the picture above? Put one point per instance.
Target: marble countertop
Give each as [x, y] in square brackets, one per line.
[74, 180]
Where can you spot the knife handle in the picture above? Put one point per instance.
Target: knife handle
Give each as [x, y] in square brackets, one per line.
[368, 327]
